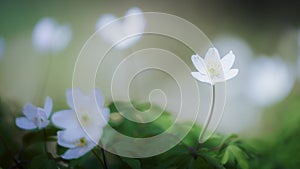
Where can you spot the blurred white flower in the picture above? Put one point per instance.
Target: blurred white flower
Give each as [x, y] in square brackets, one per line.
[83, 124]
[35, 117]
[1, 47]
[122, 30]
[49, 36]
[212, 69]
[270, 81]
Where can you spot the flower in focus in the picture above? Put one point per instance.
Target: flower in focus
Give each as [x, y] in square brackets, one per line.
[122, 30]
[49, 36]
[35, 117]
[212, 69]
[83, 123]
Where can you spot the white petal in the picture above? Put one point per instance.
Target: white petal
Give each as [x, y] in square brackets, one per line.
[24, 123]
[62, 141]
[29, 111]
[227, 61]
[199, 64]
[212, 56]
[65, 119]
[70, 98]
[68, 137]
[48, 106]
[231, 74]
[77, 152]
[93, 133]
[75, 94]
[201, 77]
[41, 119]
[106, 114]
[97, 94]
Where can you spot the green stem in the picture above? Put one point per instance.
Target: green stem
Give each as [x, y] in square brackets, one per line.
[44, 82]
[208, 120]
[98, 158]
[45, 142]
[104, 158]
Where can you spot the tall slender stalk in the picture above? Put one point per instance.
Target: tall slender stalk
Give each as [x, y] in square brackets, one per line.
[45, 142]
[43, 83]
[208, 119]
[98, 158]
[104, 157]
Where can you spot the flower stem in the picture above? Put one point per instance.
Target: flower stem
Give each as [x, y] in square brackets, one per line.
[43, 84]
[45, 142]
[205, 126]
[98, 158]
[104, 157]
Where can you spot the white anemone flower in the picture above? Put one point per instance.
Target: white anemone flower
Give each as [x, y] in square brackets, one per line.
[122, 29]
[35, 117]
[83, 123]
[212, 69]
[49, 36]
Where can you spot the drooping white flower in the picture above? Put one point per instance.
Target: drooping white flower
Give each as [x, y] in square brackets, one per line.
[35, 117]
[49, 36]
[212, 69]
[83, 123]
[121, 30]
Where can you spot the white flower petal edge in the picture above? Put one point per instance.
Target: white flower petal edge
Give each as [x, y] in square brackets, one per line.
[35, 117]
[77, 152]
[65, 119]
[48, 106]
[212, 56]
[227, 61]
[212, 69]
[29, 111]
[25, 123]
[201, 77]
[199, 64]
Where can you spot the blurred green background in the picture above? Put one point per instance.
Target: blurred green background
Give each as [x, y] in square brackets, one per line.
[263, 103]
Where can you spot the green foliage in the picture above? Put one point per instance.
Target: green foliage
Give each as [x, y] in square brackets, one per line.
[42, 161]
[282, 149]
[132, 163]
[219, 152]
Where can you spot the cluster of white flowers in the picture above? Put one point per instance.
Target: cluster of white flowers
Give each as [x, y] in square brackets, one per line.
[82, 124]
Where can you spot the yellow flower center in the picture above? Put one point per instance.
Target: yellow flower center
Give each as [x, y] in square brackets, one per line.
[81, 142]
[212, 71]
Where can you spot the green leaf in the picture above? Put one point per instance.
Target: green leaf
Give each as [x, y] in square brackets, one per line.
[133, 163]
[38, 136]
[239, 155]
[42, 161]
[225, 157]
[212, 161]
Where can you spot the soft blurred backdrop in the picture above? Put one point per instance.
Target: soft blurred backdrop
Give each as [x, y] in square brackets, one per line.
[40, 41]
